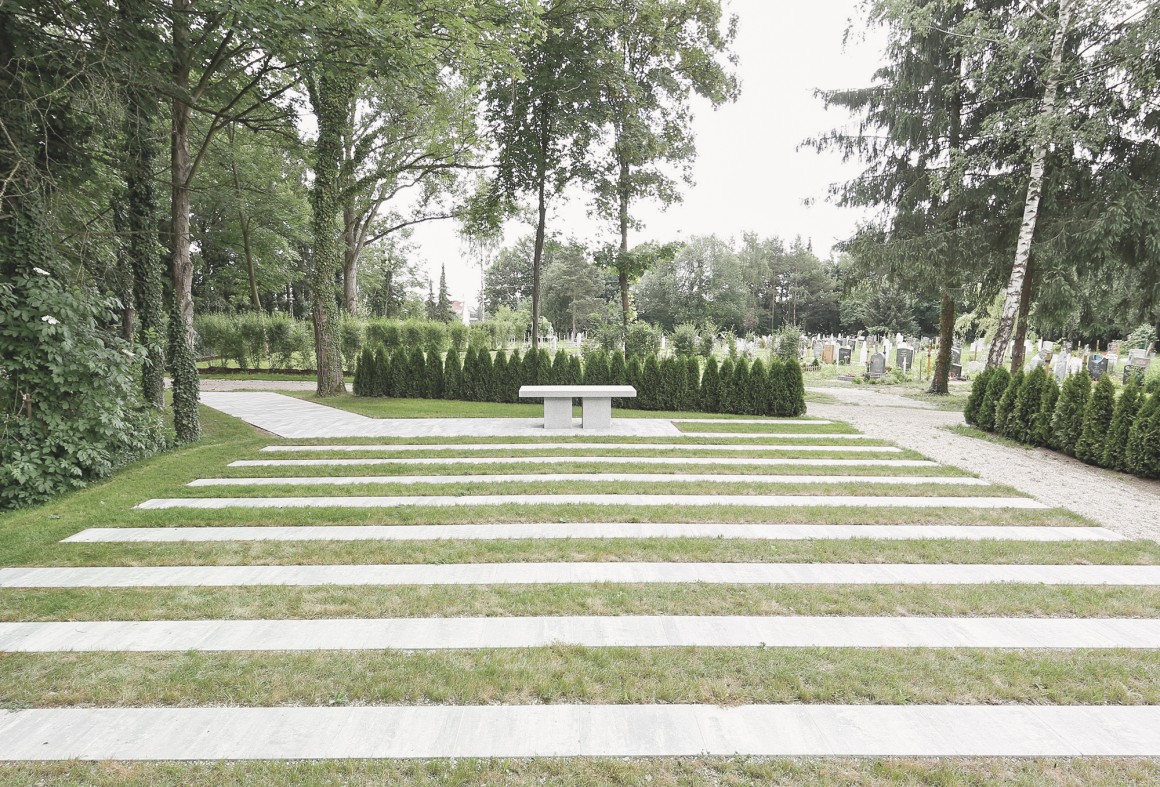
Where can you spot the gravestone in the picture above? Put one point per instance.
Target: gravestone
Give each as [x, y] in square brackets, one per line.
[877, 365]
[1037, 361]
[844, 354]
[1061, 368]
[828, 353]
[974, 367]
[904, 359]
[1097, 366]
[818, 345]
[956, 354]
[1067, 347]
[864, 352]
[1114, 348]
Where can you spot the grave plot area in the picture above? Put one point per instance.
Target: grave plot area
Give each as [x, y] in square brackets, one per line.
[679, 603]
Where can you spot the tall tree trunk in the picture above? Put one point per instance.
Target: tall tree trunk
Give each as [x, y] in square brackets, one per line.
[1042, 138]
[622, 268]
[940, 383]
[331, 99]
[143, 247]
[244, 222]
[1018, 348]
[185, 415]
[350, 254]
[538, 256]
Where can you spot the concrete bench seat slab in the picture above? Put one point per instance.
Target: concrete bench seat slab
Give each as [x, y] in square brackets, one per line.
[596, 403]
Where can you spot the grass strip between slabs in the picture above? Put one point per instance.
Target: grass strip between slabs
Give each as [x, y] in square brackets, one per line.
[670, 550]
[312, 602]
[570, 674]
[586, 771]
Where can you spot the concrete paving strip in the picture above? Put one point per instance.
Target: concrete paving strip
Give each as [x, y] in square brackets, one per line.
[565, 573]
[767, 421]
[682, 461]
[844, 449]
[540, 531]
[614, 477]
[442, 731]
[779, 435]
[651, 631]
[442, 501]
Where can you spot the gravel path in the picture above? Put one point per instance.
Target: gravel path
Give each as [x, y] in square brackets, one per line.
[1127, 505]
[258, 385]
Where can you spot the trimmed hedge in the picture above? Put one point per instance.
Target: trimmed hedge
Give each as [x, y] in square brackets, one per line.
[677, 384]
[1093, 425]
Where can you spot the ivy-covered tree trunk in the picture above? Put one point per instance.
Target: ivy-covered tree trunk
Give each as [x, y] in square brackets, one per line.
[143, 248]
[331, 98]
[350, 254]
[940, 383]
[186, 418]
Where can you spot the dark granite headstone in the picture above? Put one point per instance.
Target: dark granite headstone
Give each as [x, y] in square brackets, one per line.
[1097, 366]
[844, 354]
[904, 358]
[877, 365]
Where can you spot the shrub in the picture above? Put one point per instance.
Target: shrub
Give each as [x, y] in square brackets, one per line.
[575, 371]
[685, 340]
[648, 392]
[350, 340]
[617, 369]
[457, 336]
[1097, 419]
[1116, 444]
[470, 376]
[738, 388]
[363, 372]
[1067, 423]
[514, 378]
[435, 336]
[411, 333]
[777, 398]
[1041, 433]
[795, 386]
[708, 336]
[1143, 456]
[975, 400]
[1006, 403]
[642, 340]
[725, 387]
[759, 399]
[383, 333]
[786, 342]
[996, 387]
[485, 378]
[1142, 337]
[251, 335]
[433, 374]
[453, 377]
[560, 368]
[417, 374]
[672, 392]
[692, 391]
[1026, 407]
[380, 381]
[710, 387]
[84, 415]
[596, 368]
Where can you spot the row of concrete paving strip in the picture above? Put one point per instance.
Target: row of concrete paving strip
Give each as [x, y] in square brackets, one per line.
[581, 730]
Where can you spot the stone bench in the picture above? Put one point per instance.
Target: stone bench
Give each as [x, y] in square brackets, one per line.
[596, 401]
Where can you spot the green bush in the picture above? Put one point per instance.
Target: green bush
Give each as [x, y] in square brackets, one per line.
[975, 400]
[648, 392]
[514, 379]
[411, 333]
[692, 391]
[380, 382]
[1116, 445]
[1143, 456]
[738, 389]
[642, 340]
[363, 372]
[708, 337]
[996, 387]
[1006, 403]
[786, 342]
[560, 368]
[457, 336]
[725, 387]
[672, 392]
[795, 387]
[1097, 419]
[1021, 420]
[1041, 431]
[1067, 423]
[433, 376]
[711, 387]
[453, 377]
[596, 368]
[435, 336]
[72, 409]
[685, 340]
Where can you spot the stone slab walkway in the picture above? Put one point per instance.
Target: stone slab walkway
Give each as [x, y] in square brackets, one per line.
[633, 478]
[682, 461]
[443, 501]
[766, 421]
[531, 530]
[578, 730]
[286, 416]
[587, 446]
[650, 631]
[578, 573]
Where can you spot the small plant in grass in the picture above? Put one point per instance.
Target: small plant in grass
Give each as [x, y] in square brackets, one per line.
[1143, 455]
[1006, 404]
[1041, 432]
[1116, 444]
[975, 400]
[996, 387]
[1067, 423]
[1097, 419]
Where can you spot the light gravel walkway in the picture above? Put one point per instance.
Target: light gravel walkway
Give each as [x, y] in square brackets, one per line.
[443, 501]
[542, 531]
[223, 386]
[651, 631]
[286, 416]
[579, 573]
[616, 478]
[681, 461]
[578, 730]
[594, 446]
[1126, 505]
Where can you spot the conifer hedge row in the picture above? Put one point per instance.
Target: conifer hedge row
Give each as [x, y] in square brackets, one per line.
[1088, 422]
[678, 384]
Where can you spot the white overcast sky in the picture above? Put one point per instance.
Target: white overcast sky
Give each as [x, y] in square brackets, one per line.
[748, 174]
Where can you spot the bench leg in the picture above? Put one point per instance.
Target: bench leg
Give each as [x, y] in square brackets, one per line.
[597, 413]
[557, 413]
